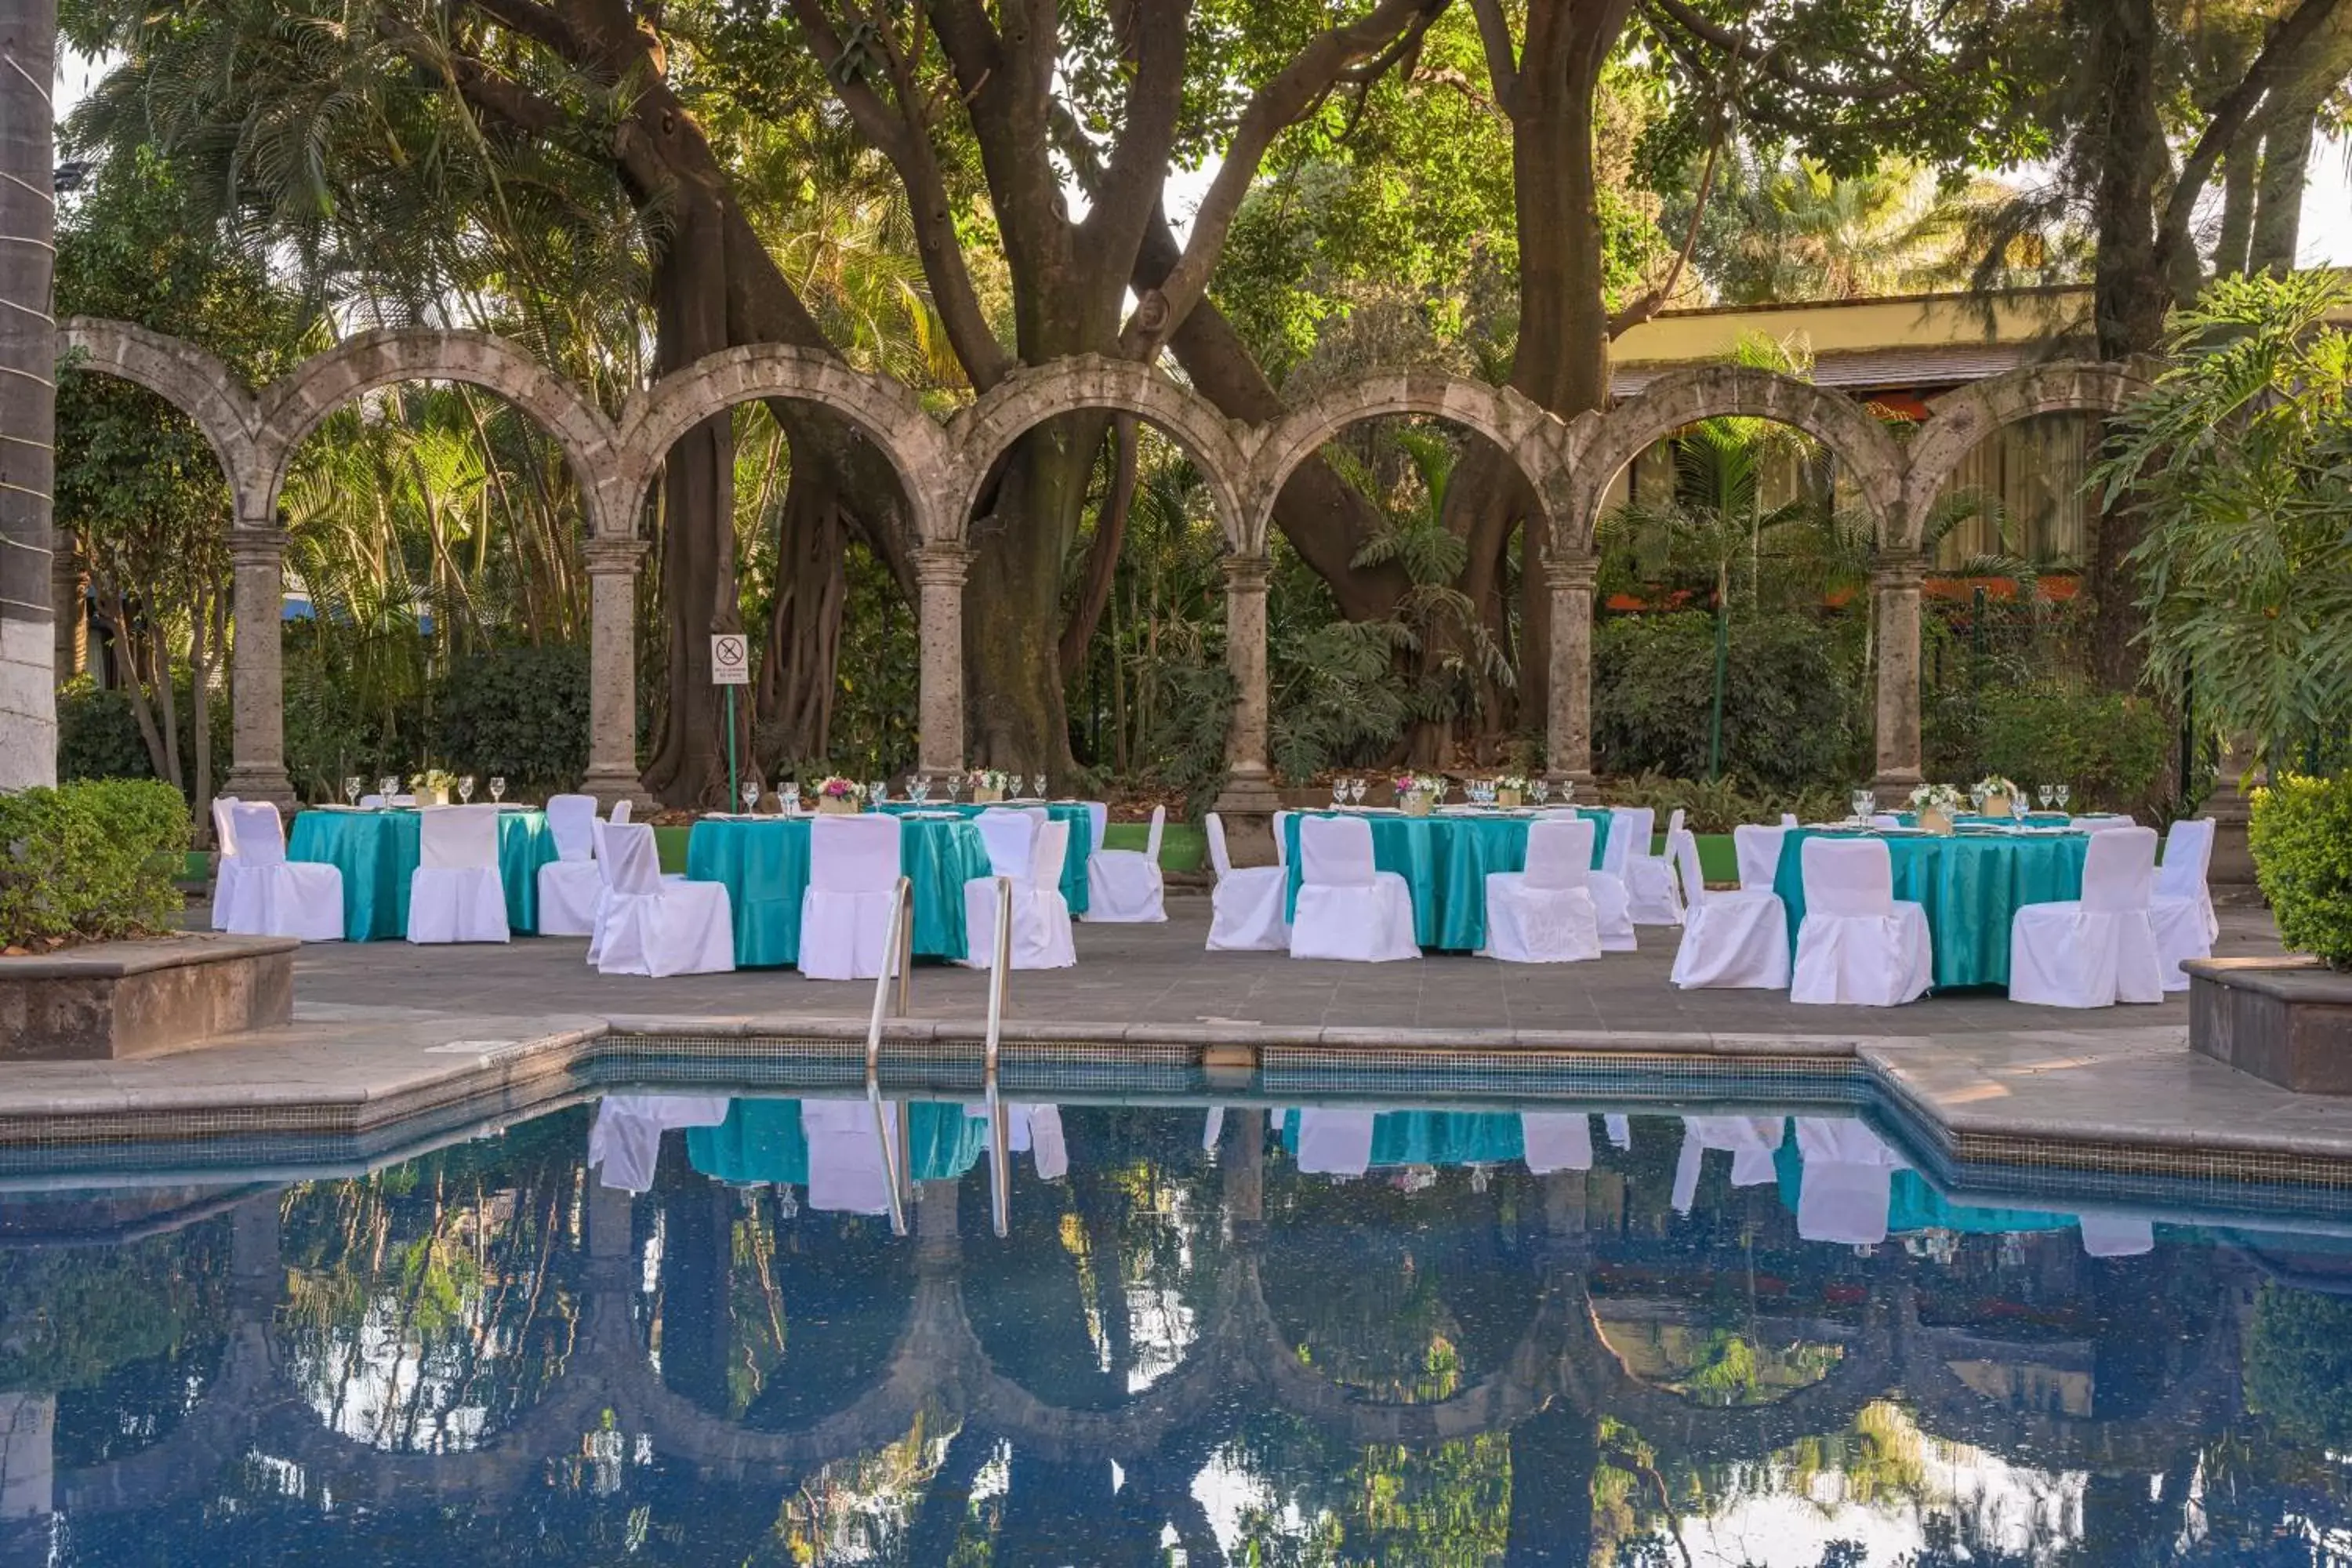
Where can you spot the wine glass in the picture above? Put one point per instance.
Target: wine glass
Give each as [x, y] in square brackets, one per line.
[1356, 791]
[2062, 792]
[1976, 797]
[2045, 795]
[497, 788]
[1038, 786]
[1338, 792]
[2017, 810]
[389, 786]
[877, 792]
[750, 796]
[788, 799]
[466, 790]
[1567, 791]
[1860, 801]
[918, 788]
[1539, 791]
[352, 789]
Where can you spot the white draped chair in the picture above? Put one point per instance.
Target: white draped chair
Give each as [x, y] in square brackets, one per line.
[1731, 940]
[2115, 1234]
[271, 896]
[653, 927]
[849, 1154]
[1545, 914]
[620, 812]
[569, 885]
[371, 803]
[1886, 819]
[1751, 1140]
[2181, 909]
[1758, 852]
[846, 912]
[1556, 1141]
[1848, 1181]
[1651, 898]
[1097, 824]
[1629, 826]
[455, 893]
[1245, 908]
[1337, 1141]
[1348, 909]
[229, 867]
[1041, 938]
[624, 1140]
[1858, 944]
[2106, 822]
[2097, 949]
[1123, 887]
[1009, 837]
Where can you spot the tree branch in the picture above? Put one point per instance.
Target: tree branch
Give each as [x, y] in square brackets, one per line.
[1651, 299]
[1293, 93]
[532, 20]
[1155, 102]
[1502, 57]
[1768, 59]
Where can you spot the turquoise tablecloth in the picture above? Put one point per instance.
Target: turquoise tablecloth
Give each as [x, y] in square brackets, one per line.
[765, 865]
[377, 851]
[1969, 819]
[761, 1140]
[1434, 1136]
[1969, 883]
[1082, 837]
[1444, 860]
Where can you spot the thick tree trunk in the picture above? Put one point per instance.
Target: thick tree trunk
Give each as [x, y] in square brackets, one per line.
[2278, 213]
[797, 673]
[2238, 184]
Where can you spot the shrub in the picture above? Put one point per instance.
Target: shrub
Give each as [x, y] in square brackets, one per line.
[518, 711]
[1723, 805]
[97, 733]
[1793, 708]
[2299, 1366]
[2301, 839]
[93, 860]
[2109, 748]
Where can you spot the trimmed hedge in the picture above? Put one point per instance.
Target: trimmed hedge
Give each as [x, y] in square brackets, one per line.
[2301, 840]
[93, 860]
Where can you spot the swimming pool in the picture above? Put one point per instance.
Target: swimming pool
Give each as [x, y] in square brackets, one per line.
[680, 1325]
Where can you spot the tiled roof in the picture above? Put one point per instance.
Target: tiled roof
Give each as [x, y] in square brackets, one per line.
[1870, 370]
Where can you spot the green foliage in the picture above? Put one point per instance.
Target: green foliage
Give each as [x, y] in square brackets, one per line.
[93, 860]
[76, 1314]
[2301, 839]
[1721, 805]
[2299, 1366]
[2111, 749]
[98, 732]
[2239, 463]
[518, 712]
[1794, 714]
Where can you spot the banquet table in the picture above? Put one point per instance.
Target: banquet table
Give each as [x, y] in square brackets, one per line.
[1445, 859]
[1971, 884]
[762, 1141]
[764, 863]
[1434, 1136]
[1073, 811]
[377, 852]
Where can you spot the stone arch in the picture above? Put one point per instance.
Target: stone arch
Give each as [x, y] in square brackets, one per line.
[294, 408]
[1537, 441]
[1861, 444]
[1960, 419]
[192, 380]
[887, 410]
[982, 433]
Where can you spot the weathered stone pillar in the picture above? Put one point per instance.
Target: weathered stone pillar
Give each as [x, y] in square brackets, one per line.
[1569, 719]
[1895, 583]
[940, 573]
[613, 773]
[256, 550]
[1249, 783]
[2230, 875]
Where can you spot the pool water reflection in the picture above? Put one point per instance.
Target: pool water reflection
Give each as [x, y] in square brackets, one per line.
[681, 1330]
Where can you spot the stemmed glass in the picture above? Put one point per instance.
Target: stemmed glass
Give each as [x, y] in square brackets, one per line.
[788, 799]
[2062, 792]
[466, 790]
[1861, 800]
[877, 792]
[2046, 795]
[1567, 791]
[2017, 809]
[352, 789]
[1356, 791]
[1976, 797]
[918, 788]
[1437, 787]
[1038, 784]
[497, 788]
[1338, 792]
[750, 796]
[390, 785]
[1539, 791]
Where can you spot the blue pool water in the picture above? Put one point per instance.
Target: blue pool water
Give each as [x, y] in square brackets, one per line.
[1325, 1335]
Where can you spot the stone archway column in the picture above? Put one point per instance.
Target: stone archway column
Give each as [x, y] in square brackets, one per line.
[256, 550]
[939, 573]
[1895, 583]
[1249, 781]
[1569, 719]
[613, 670]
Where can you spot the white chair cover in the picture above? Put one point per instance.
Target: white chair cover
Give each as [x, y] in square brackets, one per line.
[846, 912]
[1037, 1130]
[1124, 886]
[1245, 908]
[1556, 1141]
[456, 894]
[620, 812]
[654, 927]
[2104, 822]
[624, 1139]
[271, 896]
[1347, 907]
[2099, 950]
[1788, 819]
[1098, 820]
[1281, 840]
[1010, 837]
[371, 803]
[1612, 897]
[1729, 940]
[1333, 1142]
[1858, 945]
[1758, 849]
[1849, 1179]
[228, 867]
[1751, 1140]
[569, 885]
[2116, 1235]
[848, 1155]
[1620, 1129]
[2182, 907]
[1545, 914]
[1886, 819]
[1041, 938]
[1649, 894]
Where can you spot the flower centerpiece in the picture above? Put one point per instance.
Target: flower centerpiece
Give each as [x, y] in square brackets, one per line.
[987, 785]
[837, 796]
[431, 786]
[1510, 790]
[1412, 794]
[1937, 805]
[1998, 793]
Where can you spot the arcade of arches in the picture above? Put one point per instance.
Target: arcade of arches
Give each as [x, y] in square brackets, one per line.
[1569, 465]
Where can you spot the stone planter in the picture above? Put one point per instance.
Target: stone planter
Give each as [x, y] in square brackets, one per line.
[2285, 1020]
[140, 998]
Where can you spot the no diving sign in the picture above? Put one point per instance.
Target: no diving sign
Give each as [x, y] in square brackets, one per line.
[731, 660]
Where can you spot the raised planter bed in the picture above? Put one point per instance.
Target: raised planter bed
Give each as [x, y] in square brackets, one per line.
[2285, 1020]
[140, 998]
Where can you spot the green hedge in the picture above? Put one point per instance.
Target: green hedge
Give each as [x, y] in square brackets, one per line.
[2110, 748]
[93, 860]
[2301, 839]
[1795, 715]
